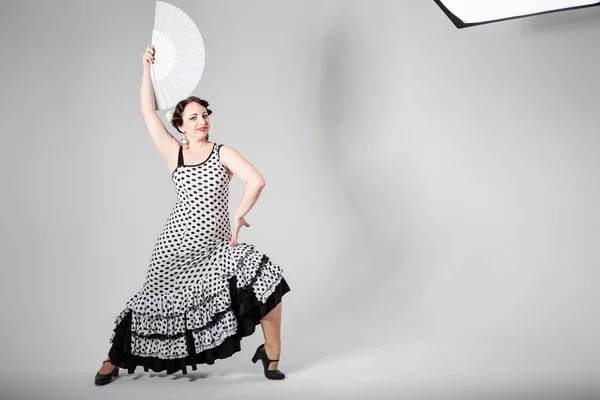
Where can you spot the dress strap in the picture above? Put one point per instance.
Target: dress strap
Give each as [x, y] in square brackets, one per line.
[180, 159]
[217, 148]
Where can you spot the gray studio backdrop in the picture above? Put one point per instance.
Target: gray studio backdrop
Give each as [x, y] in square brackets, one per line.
[422, 181]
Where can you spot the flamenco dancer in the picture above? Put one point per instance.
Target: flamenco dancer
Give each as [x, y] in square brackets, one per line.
[204, 291]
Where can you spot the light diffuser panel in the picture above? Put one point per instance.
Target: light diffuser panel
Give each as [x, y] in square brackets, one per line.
[465, 13]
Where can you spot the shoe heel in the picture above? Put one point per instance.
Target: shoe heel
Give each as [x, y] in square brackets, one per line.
[255, 358]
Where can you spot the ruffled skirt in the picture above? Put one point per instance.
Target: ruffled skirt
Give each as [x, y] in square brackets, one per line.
[170, 333]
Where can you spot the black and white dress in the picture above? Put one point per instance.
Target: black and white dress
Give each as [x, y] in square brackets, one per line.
[201, 296]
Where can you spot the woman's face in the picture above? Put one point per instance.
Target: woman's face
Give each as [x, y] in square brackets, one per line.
[196, 122]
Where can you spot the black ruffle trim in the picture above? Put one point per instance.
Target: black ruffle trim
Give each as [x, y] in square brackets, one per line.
[244, 304]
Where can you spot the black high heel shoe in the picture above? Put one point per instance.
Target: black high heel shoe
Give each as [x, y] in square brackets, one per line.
[104, 379]
[261, 354]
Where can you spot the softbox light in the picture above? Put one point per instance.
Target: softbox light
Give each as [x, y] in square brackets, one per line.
[466, 13]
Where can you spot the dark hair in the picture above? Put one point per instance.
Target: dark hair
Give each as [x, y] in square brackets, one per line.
[177, 119]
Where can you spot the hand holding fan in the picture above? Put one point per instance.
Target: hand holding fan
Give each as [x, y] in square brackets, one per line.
[179, 60]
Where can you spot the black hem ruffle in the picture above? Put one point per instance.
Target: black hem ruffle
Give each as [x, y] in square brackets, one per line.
[244, 304]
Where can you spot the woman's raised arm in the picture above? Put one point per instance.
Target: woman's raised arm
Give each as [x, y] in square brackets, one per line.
[166, 144]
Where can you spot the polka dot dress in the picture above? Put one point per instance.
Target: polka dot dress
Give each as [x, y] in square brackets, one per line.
[189, 302]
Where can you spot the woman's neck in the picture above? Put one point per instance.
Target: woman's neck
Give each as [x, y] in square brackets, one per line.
[200, 145]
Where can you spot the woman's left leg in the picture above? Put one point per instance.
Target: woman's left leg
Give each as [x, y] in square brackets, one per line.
[271, 327]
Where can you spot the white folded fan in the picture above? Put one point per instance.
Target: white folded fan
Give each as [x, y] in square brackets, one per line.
[179, 58]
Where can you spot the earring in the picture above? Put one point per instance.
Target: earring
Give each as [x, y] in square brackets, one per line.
[184, 140]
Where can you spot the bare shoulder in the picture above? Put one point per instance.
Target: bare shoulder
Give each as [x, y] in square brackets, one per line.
[230, 156]
[228, 152]
[236, 164]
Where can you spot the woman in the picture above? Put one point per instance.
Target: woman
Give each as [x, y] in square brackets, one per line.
[203, 290]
